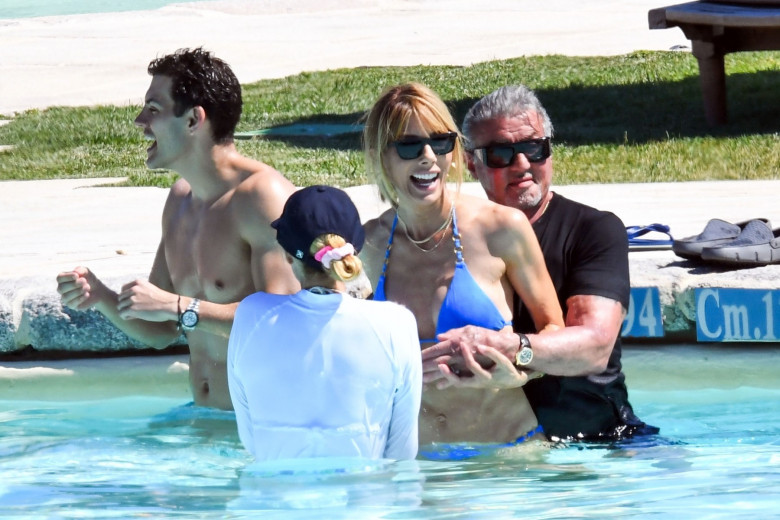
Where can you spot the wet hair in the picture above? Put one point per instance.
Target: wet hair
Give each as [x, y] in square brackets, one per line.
[200, 79]
[505, 102]
[387, 120]
[346, 269]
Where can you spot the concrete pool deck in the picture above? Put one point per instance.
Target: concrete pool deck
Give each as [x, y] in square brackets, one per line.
[50, 226]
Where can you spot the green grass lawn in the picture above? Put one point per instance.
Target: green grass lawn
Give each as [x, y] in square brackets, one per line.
[630, 118]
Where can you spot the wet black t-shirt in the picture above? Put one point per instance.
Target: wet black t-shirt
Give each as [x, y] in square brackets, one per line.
[586, 252]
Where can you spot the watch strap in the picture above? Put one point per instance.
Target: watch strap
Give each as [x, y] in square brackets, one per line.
[178, 312]
[195, 305]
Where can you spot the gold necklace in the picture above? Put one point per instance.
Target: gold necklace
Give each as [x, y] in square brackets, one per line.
[429, 237]
[436, 245]
[444, 227]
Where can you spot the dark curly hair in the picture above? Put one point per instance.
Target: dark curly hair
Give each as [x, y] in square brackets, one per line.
[200, 79]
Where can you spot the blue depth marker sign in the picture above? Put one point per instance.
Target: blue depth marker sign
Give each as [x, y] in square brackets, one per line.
[644, 317]
[737, 314]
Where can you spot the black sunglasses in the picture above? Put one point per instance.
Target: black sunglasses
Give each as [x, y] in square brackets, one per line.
[412, 147]
[501, 155]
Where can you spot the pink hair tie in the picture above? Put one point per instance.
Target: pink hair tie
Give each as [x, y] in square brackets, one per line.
[319, 254]
[327, 254]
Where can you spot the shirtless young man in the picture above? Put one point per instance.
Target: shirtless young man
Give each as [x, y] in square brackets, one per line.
[217, 242]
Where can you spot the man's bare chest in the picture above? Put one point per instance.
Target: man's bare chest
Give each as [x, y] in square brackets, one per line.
[206, 256]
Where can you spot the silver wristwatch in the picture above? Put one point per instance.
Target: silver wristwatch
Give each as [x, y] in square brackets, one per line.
[525, 354]
[190, 317]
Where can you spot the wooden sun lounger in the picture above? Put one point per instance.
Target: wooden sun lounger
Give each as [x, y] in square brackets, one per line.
[715, 29]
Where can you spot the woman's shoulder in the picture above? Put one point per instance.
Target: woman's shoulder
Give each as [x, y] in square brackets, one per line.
[484, 213]
[377, 229]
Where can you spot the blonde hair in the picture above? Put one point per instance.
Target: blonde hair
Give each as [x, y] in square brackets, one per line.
[346, 269]
[387, 120]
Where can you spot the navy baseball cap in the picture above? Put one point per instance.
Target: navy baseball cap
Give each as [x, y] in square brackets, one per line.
[314, 211]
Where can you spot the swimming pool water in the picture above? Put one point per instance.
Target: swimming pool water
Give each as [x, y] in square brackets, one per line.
[35, 8]
[149, 456]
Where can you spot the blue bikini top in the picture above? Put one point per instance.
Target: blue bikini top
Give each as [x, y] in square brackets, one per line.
[465, 303]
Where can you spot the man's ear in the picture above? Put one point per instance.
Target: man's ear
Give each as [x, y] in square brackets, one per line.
[196, 118]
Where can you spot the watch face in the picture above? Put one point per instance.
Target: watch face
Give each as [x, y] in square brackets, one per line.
[525, 356]
[189, 318]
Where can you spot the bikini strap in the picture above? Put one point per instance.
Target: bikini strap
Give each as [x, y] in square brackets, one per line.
[456, 238]
[389, 245]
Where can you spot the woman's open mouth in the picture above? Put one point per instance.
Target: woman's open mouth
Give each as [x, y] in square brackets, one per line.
[424, 180]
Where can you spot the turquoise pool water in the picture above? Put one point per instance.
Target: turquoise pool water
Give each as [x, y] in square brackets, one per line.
[35, 8]
[154, 457]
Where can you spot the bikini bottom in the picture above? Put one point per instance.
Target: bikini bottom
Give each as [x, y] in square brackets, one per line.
[464, 451]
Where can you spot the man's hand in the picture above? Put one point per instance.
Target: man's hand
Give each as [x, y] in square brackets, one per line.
[80, 289]
[502, 373]
[474, 357]
[455, 341]
[144, 300]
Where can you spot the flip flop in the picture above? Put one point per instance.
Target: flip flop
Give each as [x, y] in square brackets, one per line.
[757, 244]
[716, 233]
[635, 243]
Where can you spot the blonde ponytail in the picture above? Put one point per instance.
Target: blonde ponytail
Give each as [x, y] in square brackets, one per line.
[347, 268]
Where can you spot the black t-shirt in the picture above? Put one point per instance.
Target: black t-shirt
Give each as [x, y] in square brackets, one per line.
[586, 252]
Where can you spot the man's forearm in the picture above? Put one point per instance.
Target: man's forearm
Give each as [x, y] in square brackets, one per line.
[571, 351]
[154, 334]
[214, 318]
[575, 350]
[583, 347]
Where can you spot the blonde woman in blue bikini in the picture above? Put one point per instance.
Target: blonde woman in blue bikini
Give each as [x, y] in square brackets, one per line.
[452, 259]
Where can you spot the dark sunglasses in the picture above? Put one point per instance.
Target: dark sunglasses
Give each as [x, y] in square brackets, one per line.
[412, 147]
[501, 155]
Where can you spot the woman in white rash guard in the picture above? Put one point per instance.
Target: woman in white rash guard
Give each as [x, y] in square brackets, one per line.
[319, 373]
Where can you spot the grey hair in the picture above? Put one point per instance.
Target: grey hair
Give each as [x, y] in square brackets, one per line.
[505, 102]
